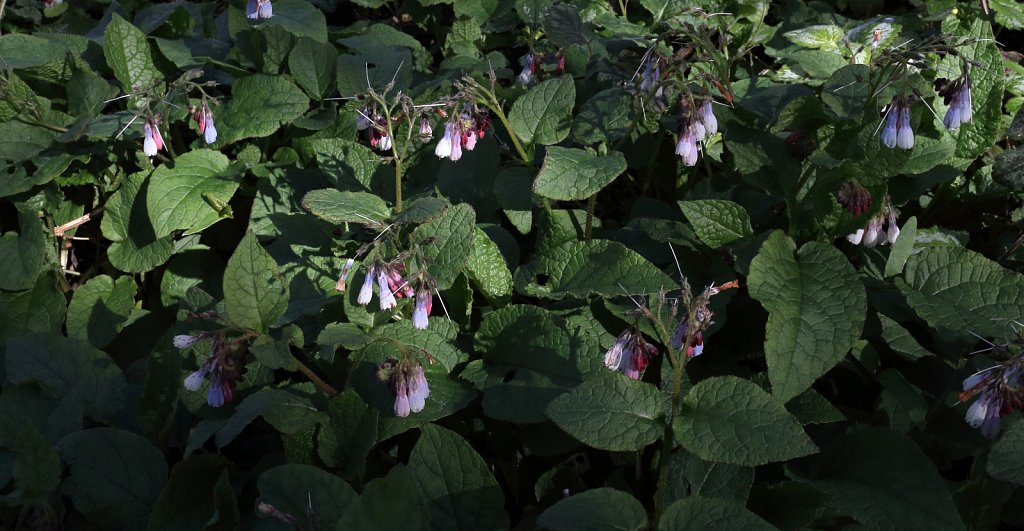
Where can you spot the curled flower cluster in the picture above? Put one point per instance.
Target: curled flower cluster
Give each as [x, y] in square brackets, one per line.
[370, 120]
[203, 117]
[152, 142]
[1000, 390]
[408, 382]
[696, 346]
[696, 126]
[882, 228]
[957, 94]
[391, 286]
[259, 9]
[221, 368]
[462, 133]
[630, 354]
[855, 198]
[897, 131]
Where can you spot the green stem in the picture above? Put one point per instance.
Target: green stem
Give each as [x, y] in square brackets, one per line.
[317, 381]
[494, 106]
[591, 205]
[398, 160]
[678, 361]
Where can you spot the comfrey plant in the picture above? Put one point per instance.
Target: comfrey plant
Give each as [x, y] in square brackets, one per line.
[998, 389]
[881, 228]
[223, 366]
[408, 382]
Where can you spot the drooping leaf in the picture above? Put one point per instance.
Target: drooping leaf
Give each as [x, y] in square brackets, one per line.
[294, 489]
[612, 412]
[187, 501]
[448, 241]
[487, 268]
[177, 196]
[816, 308]
[287, 410]
[255, 294]
[313, 65]
[391, 502]
[136, 248]
[22, 253]
[128, 55]
[260, 104]
[1004, 461]
[99, 309]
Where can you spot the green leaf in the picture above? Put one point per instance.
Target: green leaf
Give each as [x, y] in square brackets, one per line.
[812, 408]
[731, 420]
[573, 174]
[1008, 168]
[582, 268]
[463, 38]
[313, 65]
[717, 222]
[544, 114]
[562, 24]
[116, 476]
[344, 161]
[978, 135]
[285, 409]
[447, 242]
[65, 367]
[698, 513]
[961, 291]
[1004, 462]
[21, 50]
[294, 489]
[391, 502]
[259, 105]
[21, 141]
[128, 55]
[36, 468]
[380, 65]
[456, 483]
[883, 480]
[595, 510]
[822, 36]
[605, 117]
[135, 248]
[346, 440]
[300, 18]
[255, 294]
[21, 254]
[187, 502]
[39, 309]
[486, 267]
[690, 475]
[100, 308]
[612, 412]
[334, 206]
[900, 340]
[902, 249]
[816, 305]
[176, 192]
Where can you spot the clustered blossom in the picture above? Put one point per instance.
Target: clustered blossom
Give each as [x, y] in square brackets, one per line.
[369, 119]
[203, 117]
[882, 228]
[220, 367]
[462, 132]
[408, 382]
[897, 131]
[999, 391]
[855, 198]
[421, 312]
[957, 95]
[696, 125]
[391, 286]
[530, 66]
[259, 9]
[696, 346]
[630, 354]
[153, 142]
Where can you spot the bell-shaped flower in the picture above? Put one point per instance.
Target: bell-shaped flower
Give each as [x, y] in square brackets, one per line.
[152, 142]
[421, 311]
[387, 298]
[706, 115]
[904, 133]
[366, 292]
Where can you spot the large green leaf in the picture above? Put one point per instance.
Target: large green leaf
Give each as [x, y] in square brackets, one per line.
[299, 18]
[339, 207]
[717, 222]
[605, 117]
[313, 65]
[260, 104]
[962, 291]
[255, 293]
[128, 55]
[573, 174]
[39, 309]
[391, 502]
[188, 501]
[883, 480]
[487, 268]
[816, 307]
[1004, 462]
[295, 488]
[181, 196]
[456, 483]
[100, 308]
[345, 441]
[36, 468]
[731, 420]
[116, 476]
[582, 268]
[612, 412]
[544, 114]
[21, 254]
[697, 513]
[602, 509]
[286, 409]
[344, 161]
[136, 249]
[21, 141]
[447, 242]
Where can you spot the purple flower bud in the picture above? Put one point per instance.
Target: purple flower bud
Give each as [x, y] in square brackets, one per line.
[426, 132]
[613, 358]
[418, 390]
[528, 68]
[345, 271]
[686, 147]
[259, 9]
[872, 231]
[215, 394]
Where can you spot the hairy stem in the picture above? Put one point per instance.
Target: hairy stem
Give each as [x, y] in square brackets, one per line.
[317, 381]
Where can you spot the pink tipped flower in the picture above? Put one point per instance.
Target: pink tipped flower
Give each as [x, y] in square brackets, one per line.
[387, 298]
[444, 146]
[880, 229]
[209, 130]
[408, 383]
[345, 271]
[366, 292]
[529, 68]
[686, 147]
[402, 406]
[426, 132]
[259, 9]
[706, 115]
[153, 142]
[630, 354]
[421, 311]
[469, 140]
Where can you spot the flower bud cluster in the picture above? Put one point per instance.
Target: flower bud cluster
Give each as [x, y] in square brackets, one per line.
[462, 132]
[882, 228]
[897, 131]
[1000, 390]
[391, 286]
[957, 94]
[696, 125]
[223, 368]
[259, 9]
[374, 123]
[408, 383]
[630, 354]
[854, 197]
[203, 117]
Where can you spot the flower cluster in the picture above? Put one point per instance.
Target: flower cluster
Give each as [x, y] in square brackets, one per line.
[203, 117]
[259, 9]
[957, 94]
[462, 132]
[371, 120]
[696, 125]
[530, 66]
[408, 383]
[391, 286]
[153, 142]
[1000, 390]
[855, 198]
[882, 228]
[221, 367]
[897, 131]
[630, 354]
[696, 346]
